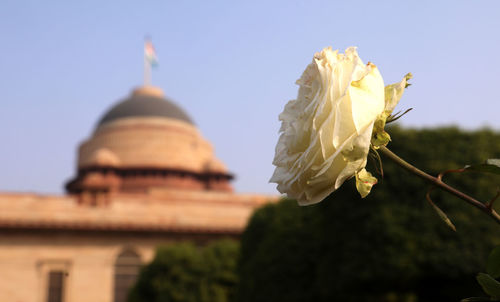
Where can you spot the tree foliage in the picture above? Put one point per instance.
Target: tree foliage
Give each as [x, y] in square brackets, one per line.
[183, 272]
[390, 246]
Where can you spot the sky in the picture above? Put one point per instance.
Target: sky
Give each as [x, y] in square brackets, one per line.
[231, 65]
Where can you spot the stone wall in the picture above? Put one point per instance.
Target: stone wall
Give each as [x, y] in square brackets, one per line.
[150, 142]
[42, 233]
[88, 259]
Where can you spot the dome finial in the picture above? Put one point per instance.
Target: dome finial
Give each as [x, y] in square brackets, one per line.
[148, 91]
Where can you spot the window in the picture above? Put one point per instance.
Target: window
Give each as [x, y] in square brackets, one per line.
[56, 286]
[55, 280]
[127, 266]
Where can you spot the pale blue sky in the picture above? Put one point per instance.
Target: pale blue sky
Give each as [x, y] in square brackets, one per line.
[231, 65]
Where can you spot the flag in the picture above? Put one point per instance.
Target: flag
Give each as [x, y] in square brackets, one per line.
[150, 54]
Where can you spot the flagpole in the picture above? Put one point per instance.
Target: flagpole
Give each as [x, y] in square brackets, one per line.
[147, 64]
[150, 60]
[147, 72]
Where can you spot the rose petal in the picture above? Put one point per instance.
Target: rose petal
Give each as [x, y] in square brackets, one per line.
[326, 131]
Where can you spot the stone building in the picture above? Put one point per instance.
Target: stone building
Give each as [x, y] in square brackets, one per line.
[145, 177]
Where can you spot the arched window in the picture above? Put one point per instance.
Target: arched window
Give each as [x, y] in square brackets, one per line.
[127, 266]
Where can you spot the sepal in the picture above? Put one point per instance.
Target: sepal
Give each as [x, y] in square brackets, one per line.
[364, 182]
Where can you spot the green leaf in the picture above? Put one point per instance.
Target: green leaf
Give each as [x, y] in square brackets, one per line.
[476, 299]
[489, 285]
[493, 264]
[491, 165]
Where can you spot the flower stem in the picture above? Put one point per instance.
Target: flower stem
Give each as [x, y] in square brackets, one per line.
[440, 184]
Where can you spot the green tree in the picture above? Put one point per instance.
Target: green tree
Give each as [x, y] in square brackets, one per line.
[390, 246]
[220, 279]
[183, 272]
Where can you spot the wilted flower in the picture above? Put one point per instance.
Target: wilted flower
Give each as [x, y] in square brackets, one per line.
[326, 131]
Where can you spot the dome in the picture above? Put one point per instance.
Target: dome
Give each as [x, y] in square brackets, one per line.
[147, 131]
[145, 102]
[144, 142]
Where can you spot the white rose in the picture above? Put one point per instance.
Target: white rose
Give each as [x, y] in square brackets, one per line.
[326, 131]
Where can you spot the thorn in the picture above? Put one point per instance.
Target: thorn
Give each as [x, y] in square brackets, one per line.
[489, 204]
[440, 212]
[442, 174]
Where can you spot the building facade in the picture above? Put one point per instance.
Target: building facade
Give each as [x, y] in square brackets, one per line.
[145, 177]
